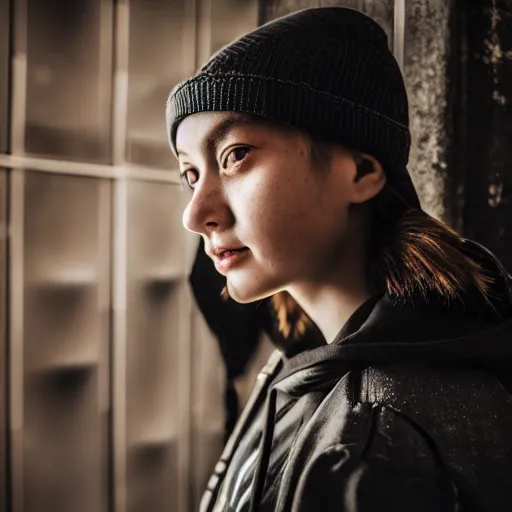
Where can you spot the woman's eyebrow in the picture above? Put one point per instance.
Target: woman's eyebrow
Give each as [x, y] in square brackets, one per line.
[219, 132]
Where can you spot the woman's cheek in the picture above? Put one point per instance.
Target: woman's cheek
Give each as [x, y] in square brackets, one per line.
[253, 195]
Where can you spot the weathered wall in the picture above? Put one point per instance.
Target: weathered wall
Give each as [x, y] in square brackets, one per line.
[426, 59]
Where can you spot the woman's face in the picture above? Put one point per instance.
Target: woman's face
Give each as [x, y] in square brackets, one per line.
[254, 187]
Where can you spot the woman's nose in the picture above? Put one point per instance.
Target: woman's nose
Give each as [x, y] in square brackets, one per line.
[208, 208]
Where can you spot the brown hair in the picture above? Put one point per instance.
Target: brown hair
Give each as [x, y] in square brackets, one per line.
[412, 255]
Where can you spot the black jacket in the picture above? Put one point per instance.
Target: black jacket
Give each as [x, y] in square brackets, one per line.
[408, 409]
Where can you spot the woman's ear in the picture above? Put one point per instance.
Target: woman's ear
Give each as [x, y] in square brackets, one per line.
[369, 179]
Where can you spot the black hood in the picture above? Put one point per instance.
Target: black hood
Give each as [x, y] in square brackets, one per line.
[473, 333]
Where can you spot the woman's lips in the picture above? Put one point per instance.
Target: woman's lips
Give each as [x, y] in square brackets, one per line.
[230, 258]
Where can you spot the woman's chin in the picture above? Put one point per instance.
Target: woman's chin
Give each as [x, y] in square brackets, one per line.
[245, 293]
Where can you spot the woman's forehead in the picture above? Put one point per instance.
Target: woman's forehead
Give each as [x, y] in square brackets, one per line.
[206, 129]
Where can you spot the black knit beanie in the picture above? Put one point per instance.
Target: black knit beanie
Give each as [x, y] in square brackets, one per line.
[327, 71]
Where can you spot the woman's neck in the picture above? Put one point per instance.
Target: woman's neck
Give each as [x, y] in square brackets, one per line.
[331, 306]
[336, 291]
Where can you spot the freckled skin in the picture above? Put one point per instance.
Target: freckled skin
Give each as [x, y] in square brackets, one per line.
[293, 218]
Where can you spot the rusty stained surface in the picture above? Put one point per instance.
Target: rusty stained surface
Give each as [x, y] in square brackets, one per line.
[426, 51]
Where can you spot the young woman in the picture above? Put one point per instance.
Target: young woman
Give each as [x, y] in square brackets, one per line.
[294, 140]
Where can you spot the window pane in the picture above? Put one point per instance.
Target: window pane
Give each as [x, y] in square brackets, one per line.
[65, 333]
[4, 73]
[231, 19]
[155, 319]
[161, 54]
[3, 347]
[69, 56]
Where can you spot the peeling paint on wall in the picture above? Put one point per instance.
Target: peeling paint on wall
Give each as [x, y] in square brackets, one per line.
[499, 98]
[495, 194]
[495, 55]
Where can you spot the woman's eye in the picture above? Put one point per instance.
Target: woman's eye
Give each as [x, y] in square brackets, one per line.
[185, 177]
[236, 155]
